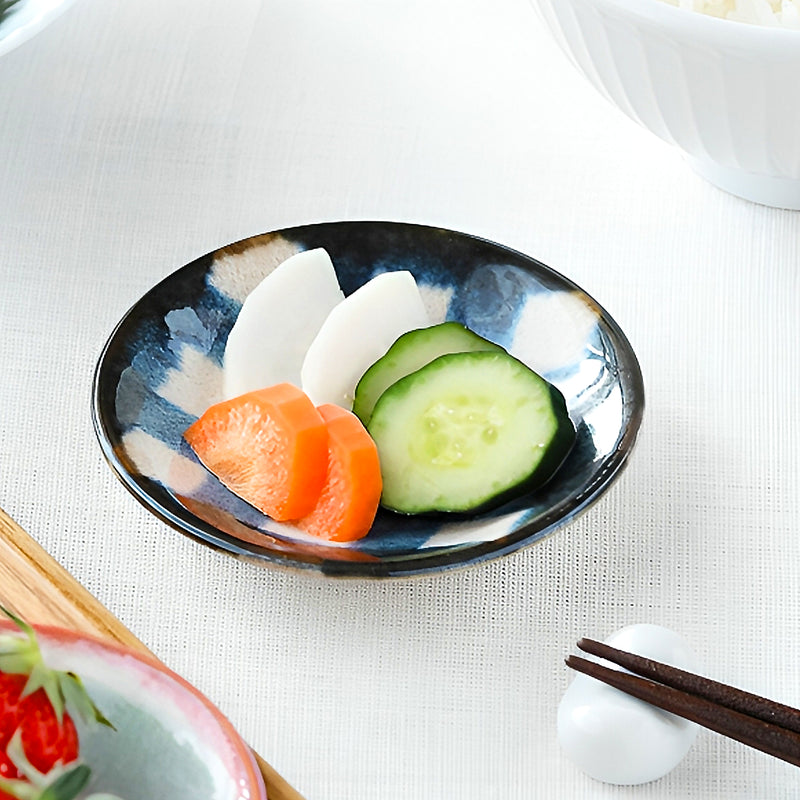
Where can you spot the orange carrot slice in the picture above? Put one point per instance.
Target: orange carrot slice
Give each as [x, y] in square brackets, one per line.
[349, 499]
[270, 447]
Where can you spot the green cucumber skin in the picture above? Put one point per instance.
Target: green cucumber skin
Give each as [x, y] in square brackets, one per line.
[412, 351]
[401, 496]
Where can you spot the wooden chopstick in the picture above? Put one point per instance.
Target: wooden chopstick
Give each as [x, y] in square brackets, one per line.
[720, 693]
[772, 728]
[36, 586]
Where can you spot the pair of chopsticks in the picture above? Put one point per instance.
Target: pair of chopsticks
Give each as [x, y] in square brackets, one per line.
[768, 726]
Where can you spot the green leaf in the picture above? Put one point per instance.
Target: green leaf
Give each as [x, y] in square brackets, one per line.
[13, 643]
[18, 621]
[19, 789]
[18, 654]
[76, 697]
[5, 7]
[15, 663]
[42, 677]
[68, 785]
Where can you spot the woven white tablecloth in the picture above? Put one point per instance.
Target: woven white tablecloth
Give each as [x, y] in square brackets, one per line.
[136, 136]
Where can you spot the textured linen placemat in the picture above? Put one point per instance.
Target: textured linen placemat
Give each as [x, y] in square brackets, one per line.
[136, 137]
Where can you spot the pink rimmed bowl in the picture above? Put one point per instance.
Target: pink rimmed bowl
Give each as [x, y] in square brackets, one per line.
[169, 740]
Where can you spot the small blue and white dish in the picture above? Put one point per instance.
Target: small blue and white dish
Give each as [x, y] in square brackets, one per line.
[162, 367]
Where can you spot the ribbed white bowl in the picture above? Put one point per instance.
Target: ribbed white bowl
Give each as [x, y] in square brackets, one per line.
[726, 93]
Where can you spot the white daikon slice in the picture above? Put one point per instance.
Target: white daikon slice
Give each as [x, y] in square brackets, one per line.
[357, 333]
[278, 321]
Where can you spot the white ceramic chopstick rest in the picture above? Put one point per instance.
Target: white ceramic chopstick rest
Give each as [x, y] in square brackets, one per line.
[616, 738]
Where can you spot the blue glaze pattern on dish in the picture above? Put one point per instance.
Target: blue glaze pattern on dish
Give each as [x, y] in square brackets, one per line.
[162, 367]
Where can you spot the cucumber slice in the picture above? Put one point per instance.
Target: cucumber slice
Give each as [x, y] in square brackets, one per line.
[468, 432]
[411, 351]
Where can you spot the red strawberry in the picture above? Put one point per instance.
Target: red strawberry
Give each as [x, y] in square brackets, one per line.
[44, 739]
[38, 738]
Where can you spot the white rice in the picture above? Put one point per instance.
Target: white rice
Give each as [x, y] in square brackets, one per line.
[773, 13]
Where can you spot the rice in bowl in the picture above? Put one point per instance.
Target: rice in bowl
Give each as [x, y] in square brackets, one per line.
[772, 13]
